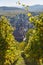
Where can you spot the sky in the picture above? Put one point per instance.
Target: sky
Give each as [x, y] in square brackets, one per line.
[13, 3]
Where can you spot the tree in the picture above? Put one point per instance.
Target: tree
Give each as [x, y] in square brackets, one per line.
[8, 46]
[34, 48]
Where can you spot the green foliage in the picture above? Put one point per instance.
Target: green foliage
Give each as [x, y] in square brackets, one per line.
[8, 50]
[29, 52]
[22, 45]
[34, 48]
[20, 61]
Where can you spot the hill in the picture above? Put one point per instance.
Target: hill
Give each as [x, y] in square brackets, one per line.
[36, 8]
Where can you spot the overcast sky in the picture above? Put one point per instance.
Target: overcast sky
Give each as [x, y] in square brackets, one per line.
[13, 2]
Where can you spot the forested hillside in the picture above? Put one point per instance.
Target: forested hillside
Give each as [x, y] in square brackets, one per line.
[27, 52]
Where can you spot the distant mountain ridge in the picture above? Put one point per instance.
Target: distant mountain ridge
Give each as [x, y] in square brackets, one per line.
[9, 8]
[34, 8]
